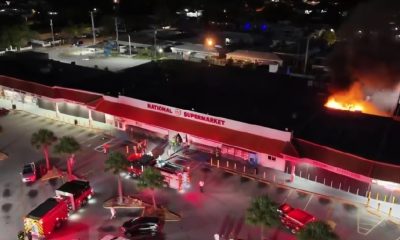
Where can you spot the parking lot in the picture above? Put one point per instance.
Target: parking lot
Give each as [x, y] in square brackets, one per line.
[220, 209]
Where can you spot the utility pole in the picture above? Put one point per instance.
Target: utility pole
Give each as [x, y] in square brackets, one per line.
[129, 40]
[93, 30]
[306, 55]
[52, 32]
[116, 29]
[155, 44]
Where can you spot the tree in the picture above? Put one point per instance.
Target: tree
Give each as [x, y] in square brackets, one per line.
[262, 212]
[68, 145]
[43, 139]
[76, 30]
[116, 163]
[16, 35]
[151, 178]
[318, 230]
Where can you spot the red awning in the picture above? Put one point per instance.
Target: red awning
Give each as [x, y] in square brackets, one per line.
[219, 134]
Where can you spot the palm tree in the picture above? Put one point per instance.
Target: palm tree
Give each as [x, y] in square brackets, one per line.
[68, 145]
[151, 178]
[43, 139]
[117, 162]
[262, 212]
[318, 230]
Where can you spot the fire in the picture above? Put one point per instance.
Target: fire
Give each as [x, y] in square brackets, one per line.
[353, 100]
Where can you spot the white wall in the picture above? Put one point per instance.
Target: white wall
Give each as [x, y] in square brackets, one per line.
[203, 141]
[222, 122]
[278, 164]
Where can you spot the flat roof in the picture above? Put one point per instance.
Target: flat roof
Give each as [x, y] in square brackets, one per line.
[254, 54]
[75, 187]
[251, 96]
[43, 208]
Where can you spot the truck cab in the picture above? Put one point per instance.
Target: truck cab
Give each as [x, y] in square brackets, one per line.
[76, 192]
[294, 219]
[46, 217]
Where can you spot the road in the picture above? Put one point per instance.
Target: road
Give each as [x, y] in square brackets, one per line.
[220, 209]
[82, 56]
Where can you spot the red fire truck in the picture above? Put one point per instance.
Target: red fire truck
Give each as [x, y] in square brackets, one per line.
[46, 217]
[49, 215]
[293, 218]
[78, 193]
[175, 176]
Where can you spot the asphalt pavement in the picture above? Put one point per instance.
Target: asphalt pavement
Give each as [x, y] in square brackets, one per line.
[220, 209]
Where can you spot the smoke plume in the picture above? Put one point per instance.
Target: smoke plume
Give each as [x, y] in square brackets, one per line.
[368, 53]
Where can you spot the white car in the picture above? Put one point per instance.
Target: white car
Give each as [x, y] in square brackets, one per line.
[111, 237]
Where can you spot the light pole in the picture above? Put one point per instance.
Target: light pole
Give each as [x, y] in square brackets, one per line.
[306, 54]
[52, 32]
[129, 42]
[155, 44]
[93, 30]
[116, 29]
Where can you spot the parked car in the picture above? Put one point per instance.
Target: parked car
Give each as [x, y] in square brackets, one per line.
[142, 226]
[284, 208]
[4, 112]
[33, 171]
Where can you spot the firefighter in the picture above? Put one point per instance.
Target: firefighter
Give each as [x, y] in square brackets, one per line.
[113, 212]
[201, 186]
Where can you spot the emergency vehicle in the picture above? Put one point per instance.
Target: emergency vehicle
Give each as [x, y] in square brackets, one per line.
[137, 164]
[46, 217]
[49, 215]
[175, 176]
[293, 218]
[77, 192]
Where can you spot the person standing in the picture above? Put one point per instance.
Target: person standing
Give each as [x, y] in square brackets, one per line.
[113, 212]
[201, 186]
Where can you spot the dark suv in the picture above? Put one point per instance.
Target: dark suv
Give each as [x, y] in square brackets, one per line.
[142, 226]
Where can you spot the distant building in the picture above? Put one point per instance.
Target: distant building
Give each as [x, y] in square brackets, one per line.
[197, 51]
[256, 57]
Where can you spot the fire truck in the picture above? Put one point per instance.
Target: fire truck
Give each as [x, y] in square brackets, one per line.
[293, 218]
[50, 215]
[46, 217]
[175, 176]
[137, 164]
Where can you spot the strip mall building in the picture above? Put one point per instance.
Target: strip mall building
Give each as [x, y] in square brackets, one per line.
[268, 147]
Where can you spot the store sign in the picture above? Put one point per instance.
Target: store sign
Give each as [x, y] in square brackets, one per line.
[186, 114]
[205, 118]
[159, 108]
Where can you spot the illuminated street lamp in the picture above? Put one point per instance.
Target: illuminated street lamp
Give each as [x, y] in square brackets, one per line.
[209, 42]
[93, 30]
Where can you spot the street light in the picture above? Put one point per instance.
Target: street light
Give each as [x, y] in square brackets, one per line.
[93, 30]
[209, 42]
[52, 32]
[312, 35]
[129, 41]
[155, 43]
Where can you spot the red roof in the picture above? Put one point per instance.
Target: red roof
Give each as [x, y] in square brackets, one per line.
[219, 134]
[347, 161]
[50, 92]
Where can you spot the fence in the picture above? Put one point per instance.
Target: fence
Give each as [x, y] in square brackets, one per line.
[361, 190]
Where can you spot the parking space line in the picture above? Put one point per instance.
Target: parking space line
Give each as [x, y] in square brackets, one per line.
[368, 226]
[375, 226]
[308, 202]
[290, 192]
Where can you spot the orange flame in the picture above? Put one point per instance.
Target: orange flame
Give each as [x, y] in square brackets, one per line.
[353, 100]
